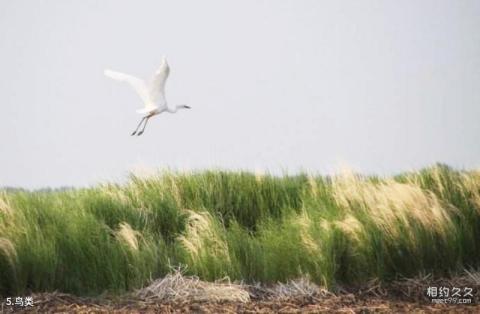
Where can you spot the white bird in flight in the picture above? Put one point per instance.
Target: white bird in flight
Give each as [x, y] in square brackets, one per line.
[152, 93]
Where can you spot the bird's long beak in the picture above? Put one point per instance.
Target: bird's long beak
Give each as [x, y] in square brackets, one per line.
[188, 107]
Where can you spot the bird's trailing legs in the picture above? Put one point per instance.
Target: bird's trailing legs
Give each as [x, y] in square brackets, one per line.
[135, 132]
[144, 126]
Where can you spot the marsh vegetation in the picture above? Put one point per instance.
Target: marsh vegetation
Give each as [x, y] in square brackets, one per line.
[342, 229]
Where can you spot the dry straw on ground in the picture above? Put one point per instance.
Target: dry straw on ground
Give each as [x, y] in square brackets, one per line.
[176, 287]
[179, 294]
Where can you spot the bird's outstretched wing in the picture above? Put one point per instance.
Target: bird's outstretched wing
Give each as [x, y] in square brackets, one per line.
[157, 84]
[138, 85]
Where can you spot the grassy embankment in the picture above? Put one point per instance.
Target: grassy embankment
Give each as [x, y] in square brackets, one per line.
[341, 229]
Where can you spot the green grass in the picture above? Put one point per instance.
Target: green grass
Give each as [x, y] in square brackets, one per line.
[258, 228]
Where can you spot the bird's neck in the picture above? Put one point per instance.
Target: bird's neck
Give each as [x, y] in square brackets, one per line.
[176, 108]
[172, 110]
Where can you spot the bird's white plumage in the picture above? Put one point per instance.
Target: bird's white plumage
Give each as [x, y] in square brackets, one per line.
[137, 84]
[157, 84]
[153, 93]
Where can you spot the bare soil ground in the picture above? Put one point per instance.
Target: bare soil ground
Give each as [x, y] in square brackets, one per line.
[178, 294]
[338, 304]
[347, 303]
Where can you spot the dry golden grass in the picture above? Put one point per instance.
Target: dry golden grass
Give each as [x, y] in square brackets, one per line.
[351, 227]
[128, 236]
[4, 205]
[202, 237]
[116, 194]
[7, 248]
[393, 206]
[471, 183]
[259, 175]
[304, 223]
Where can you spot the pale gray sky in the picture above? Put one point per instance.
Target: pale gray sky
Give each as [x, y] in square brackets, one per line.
[383, 86]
